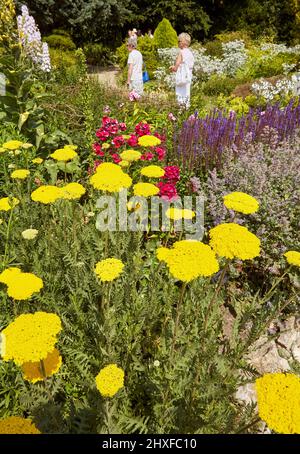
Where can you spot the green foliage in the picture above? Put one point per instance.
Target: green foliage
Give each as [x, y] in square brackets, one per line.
[165, 35]
[60, 42]
[214, 48]
[67, 66]
[97, 54]
[147, 47]
[218, 84]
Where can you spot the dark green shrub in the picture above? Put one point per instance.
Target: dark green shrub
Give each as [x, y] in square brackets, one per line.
[218, 84]
[165, 35]
[67, 65]
[60, 42]
[59, 31]
[214, 48]
[97, 54]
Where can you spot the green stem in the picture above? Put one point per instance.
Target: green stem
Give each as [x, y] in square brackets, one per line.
[177, 318]
[265, 298]
[252, 423]
[107, 416]
[7, 239]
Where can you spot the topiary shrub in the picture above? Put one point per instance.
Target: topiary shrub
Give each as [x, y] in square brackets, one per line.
[165, 35]
[60, 42]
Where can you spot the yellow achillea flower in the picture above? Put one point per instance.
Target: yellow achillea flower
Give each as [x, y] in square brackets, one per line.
[72, 191]
[7, 204]
[145, 189]
[24, 285]
[29, 234]
[241, 202]
[293, 257]
[234, 241]
[32, 370]
[7, 276]
[153, 172]
[109, 269]
[110, 177]
[37, 161]
[130, 155]
[12, 145]
[278, 398]
[46, 194]
[17, 425]
[148, 141]
[64, 154]
[188, 260]
[110, 380]
[177, 213]
[20, 174]
[30, 337]
[123, 163]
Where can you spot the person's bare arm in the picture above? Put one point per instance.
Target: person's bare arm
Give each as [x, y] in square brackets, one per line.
[177, 63]
[130, 68]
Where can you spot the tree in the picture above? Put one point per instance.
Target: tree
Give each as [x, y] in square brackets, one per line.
[165, 35]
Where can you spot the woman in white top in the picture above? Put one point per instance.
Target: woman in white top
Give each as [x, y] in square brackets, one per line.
[135, 68]
[185, 57]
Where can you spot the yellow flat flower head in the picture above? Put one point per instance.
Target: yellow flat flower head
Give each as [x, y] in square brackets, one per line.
[241, 202]
[110, 380]
[20, 174]
[293, 257]
[148, 141]
[109, 269]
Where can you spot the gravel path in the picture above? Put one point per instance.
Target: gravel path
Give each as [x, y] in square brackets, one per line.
[106, 76]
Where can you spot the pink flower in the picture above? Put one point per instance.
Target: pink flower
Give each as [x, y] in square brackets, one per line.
[171, 117]
[167, 191]
[162, 137]
[106, 110]
[142, 129]
[116, 158]
[147, 156]
[118, 141]
[132, 141]
[161, 152]
[122, 126]
[113, 129]
[102, 135]
[172, 173]
[133, 96]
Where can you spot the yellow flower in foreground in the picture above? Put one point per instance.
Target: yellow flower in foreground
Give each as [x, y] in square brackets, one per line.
[145, 189]
[46, 194]
[110, 380]
[110, 177]
[178, 213]
[130, 155]
[7, 204]
[9, 274]
[20, 174]
[234, 241]
[32, 370]
[149, 141]
[12, 145]
[278, 398]
[188, 260]
[30, 337]
[241, 202]
[17, 425]
[37, 161]
[293, 257]
[153, 172]
[24, 285]
[64, 154]
[72, 191]
[109, 269]
[29, 234]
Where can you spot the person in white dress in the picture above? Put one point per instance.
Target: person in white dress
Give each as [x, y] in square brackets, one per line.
[135, 68]
[185, 56]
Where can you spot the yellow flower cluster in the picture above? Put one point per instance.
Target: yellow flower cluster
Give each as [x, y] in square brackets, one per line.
[29, 234]
[72, 191]
[148, 141]
[20, 174]
[20, 286]
[109, 269]
[241, 202]
[234, 241]
[130, 155]
[178, 213]
[110, 380]
[30, 337]
[12, 145]
[46, 194]
[293, 257]
[153, 171]
[17, 425]
[37, 161]
[32, 370]
[145, 189]
[7, 23]
[110, 177]
[278, 397]
[65, 154]
[7, 204]
[188, 260]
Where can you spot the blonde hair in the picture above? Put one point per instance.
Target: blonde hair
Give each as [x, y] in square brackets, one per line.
[185, 37]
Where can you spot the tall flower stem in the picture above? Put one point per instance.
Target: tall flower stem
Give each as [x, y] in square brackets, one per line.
[177, 318]
[7, 239]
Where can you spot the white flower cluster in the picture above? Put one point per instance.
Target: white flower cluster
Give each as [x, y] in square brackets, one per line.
[275, 49]
[269, 91]
[288, 67]
[234, 56]
[30, 38]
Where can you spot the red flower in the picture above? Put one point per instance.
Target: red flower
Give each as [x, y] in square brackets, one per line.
[161, 152]
[122, 126]
[118, 141]
[172, 173]
[142, 129]
[167, 191]
[116, 158]
[132, 141]
[147, 156]
[161, 137]
[103, 135]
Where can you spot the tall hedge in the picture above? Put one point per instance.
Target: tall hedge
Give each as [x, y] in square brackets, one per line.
[165, 35]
